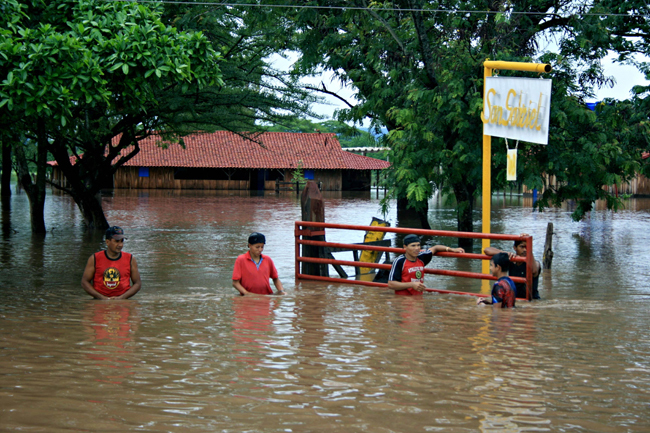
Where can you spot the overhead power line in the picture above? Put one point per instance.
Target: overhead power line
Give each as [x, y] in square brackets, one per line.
[446, 11]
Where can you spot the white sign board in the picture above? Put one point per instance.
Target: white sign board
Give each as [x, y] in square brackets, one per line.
[517, 108]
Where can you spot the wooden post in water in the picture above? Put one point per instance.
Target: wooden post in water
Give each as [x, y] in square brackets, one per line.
[313, 209]
[548, 247]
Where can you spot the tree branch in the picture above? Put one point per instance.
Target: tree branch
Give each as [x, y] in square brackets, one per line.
[329, 92]
[425, 45]
[59, 187]
[386, 26]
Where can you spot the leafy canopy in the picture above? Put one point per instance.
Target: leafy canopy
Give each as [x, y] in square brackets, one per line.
[417, 68]
[93, 77]
[66, 57]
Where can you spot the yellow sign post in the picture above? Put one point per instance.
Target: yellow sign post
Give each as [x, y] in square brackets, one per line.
[488, 67]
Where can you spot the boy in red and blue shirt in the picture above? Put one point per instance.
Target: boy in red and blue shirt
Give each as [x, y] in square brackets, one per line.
[253, 270]
[503, 292]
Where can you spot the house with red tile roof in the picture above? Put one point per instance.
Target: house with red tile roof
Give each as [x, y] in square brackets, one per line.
[228, 161]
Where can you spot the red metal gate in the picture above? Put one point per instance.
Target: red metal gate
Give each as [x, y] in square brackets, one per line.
[308, 229]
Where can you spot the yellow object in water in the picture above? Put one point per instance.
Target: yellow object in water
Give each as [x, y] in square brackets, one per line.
[368, 256]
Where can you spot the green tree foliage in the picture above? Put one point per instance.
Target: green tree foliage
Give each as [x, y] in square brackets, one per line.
[348, 136]
[417, 68]
[298, 176]
[630, 39]
[297, 125]
[250, 39]
[621, 29]
[351, 136]
[104, 75]
[587, 150]
[92, 78]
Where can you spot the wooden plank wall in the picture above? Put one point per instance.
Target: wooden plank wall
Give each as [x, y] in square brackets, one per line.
[331, 180]
[163, 178]
[639, 186]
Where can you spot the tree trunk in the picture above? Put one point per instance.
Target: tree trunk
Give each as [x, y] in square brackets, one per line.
[412, 217]
[91, 209]
[5, 188]
[5, 183]
[464, 214]
[84, 185]
[38, 205]
[37, 210]
[6, 217]
[35, 190]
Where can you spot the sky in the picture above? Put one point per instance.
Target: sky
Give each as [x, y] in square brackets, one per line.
[626, 77]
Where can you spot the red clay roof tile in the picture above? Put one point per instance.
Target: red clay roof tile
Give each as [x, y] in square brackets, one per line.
[281, 150]
[223, 149]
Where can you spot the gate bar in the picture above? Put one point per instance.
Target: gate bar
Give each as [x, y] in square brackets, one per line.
[373, 284]
[464, 274]
[302, 226]
[397, 250]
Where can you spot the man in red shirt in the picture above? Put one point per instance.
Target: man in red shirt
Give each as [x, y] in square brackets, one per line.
[109, 273]
[253, 270]
[407, 274]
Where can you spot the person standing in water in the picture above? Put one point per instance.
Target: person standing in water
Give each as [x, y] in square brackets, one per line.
[112, 273]
[407, 273]
[518, 269]
[253, 270]
[503, 291]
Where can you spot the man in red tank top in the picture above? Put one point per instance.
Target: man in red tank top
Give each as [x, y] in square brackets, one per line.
[112, 274]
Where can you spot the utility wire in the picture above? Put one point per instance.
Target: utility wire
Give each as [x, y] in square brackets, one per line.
[252, 5]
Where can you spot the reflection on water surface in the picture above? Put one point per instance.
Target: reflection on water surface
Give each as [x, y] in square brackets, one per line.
[187, 354]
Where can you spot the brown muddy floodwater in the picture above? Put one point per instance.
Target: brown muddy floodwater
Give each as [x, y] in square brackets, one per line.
[188, 355]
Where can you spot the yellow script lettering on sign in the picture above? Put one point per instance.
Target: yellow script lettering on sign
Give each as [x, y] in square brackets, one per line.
[517, 116]
[517, 108]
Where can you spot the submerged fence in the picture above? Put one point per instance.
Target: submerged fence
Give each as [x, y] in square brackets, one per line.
[306, 229]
